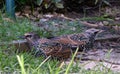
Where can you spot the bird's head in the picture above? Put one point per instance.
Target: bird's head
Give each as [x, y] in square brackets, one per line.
[93, 32]
[31, 35]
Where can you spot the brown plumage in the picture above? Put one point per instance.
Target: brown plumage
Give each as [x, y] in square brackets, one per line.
[47, 47]
[84, 40]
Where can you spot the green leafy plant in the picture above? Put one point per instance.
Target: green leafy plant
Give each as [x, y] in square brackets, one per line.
[48, 3]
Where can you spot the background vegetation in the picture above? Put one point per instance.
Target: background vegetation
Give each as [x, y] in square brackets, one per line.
[60, 5]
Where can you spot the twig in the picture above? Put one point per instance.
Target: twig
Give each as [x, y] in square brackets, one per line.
[114, 37]
[89, 24]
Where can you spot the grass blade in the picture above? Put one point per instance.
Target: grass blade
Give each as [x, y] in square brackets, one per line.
[68, 68]
[21, 63]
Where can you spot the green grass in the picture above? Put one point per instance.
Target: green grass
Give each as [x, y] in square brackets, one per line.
[101, 18]
[12, 30]
[25, 63]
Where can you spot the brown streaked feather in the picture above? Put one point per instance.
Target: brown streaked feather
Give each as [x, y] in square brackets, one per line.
[82, 40]
[58, 51]
[55, 49]
[73, 39]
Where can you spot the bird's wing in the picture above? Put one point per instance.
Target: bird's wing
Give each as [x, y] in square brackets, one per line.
[79, 39]
[55, 49]
[73, 39]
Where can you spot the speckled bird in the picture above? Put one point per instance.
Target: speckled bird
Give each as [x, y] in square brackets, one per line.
[47, 47]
